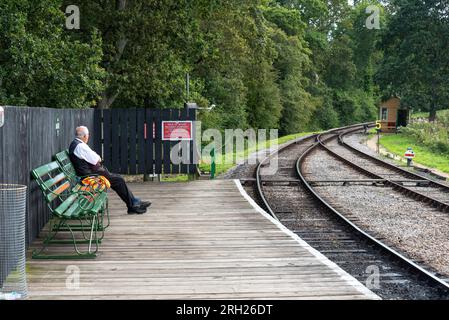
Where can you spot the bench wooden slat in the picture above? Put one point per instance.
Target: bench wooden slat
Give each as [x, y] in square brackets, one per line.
[64, 161]
[73, 211]
[45, 169]
[54, 181]
[58, 191]
[66, 205]
[99, 201]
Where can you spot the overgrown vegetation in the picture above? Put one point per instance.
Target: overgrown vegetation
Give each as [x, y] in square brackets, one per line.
[423, 114]
[434, 135]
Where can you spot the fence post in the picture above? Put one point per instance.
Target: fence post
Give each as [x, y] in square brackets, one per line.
[212, 164]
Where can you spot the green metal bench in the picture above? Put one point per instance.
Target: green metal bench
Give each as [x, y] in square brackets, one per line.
[67, 167]
[69, 202]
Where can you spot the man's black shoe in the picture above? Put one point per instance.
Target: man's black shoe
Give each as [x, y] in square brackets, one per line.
[145, 204]
[137, 210]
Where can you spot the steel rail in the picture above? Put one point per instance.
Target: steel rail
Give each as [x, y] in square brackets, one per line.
[401, 171]
[364, 234]
[259, 181]
[258, 171]
[415, 195]
[388, 165]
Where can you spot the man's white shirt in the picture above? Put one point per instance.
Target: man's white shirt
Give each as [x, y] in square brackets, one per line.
[83, 151]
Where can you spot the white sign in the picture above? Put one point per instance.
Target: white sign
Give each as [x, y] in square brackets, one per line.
[409, 154]
[177, 130]
[2, 117]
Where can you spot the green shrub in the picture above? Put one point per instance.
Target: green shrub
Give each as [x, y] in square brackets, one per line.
[433, 135]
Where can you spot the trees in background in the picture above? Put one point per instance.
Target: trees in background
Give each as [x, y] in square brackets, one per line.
[290, 64]
[40, 63]
[416, 46]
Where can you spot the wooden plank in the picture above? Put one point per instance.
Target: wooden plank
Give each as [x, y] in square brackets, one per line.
[25, 169]
[290, 296]
[37, 159]
[158, 141]
[182, 250]
[132, 113]
[107, 138]
[141, 140]
[124, 141]
[151, 120]
[115, 141]
[166, 116]
[97, 134]
[175, 116]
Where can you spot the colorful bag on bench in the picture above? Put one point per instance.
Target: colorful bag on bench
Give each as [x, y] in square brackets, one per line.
[96, 184]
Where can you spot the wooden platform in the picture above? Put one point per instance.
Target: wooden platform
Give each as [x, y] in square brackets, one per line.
[200, 240]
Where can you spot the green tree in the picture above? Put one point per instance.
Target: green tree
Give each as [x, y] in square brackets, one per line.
[143, 44]
[222, 56]
[350, 66]
[292, 64]
[416, 43]
[40, 63]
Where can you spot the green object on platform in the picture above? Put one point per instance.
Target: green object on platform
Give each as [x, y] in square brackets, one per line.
[212, 164]
[69, 202]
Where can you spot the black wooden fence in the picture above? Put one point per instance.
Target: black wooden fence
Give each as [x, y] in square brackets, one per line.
[31, 137]
[125, 139]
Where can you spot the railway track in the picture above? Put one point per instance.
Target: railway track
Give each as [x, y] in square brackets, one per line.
[289, 197]
[412, 185]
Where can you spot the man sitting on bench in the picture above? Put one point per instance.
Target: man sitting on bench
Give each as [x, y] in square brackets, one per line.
[87, 162]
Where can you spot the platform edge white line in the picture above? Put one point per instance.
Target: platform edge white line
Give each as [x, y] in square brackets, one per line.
[333, 266]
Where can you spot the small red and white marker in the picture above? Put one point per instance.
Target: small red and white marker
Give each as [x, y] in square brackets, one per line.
[409, 154]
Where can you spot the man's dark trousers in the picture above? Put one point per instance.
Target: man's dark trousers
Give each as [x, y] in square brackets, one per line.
[118, 184]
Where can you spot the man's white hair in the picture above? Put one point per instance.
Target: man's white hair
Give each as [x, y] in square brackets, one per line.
[81, 132]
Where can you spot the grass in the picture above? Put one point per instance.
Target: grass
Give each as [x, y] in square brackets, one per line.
[223, 166]
[398, 143]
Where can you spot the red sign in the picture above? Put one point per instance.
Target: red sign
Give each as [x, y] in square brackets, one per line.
[177, 130]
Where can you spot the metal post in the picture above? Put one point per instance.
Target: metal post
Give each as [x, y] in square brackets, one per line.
[378, 141]
[212, 164]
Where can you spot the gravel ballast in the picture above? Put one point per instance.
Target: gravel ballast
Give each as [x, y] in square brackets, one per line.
[415, 228]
